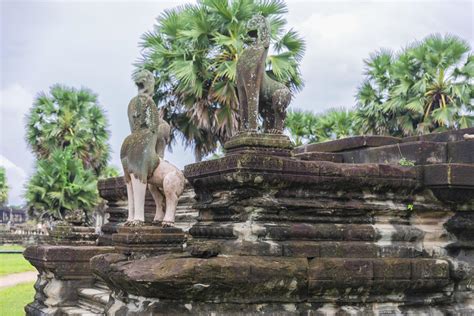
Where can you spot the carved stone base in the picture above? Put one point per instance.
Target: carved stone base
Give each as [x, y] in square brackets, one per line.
[142, 241]
[61, 271]
[65, 234]
[258, 143]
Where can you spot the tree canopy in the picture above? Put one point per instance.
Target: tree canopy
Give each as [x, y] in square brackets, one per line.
[426, 87]
[307, 127]
[3, 186]
[193, 52]
[61, 184]
[67, 131]
[69, 118]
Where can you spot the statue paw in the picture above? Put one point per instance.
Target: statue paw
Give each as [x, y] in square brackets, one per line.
[167, 224]
[275, 131]
[157, 222]
[134, 223]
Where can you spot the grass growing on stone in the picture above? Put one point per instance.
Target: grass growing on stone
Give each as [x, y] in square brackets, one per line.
[14, 263]
[13, 299]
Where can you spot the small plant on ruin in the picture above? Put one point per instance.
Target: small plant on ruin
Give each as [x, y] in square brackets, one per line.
[406, 162]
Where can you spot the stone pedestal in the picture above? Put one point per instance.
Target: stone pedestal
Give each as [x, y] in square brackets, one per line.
[148, 240]
[114, 191]
[67, 234]
[256, 143]
[62, 270]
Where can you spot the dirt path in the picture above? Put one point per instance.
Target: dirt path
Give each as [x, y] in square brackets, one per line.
[17, 278]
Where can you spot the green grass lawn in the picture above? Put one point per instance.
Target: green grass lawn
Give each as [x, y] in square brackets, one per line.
[12, 247]
[13, 299]
[14, 263]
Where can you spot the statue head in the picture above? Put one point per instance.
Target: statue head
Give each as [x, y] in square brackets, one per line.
[145, 82]
[258, 30]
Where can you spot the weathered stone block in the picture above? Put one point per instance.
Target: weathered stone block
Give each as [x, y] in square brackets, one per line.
[461, 152]
[229, 279]
[340, 270]
[349, 143]
[348, 250]
[320, 156]
[421, 153]
[305, 249]
[67, 262]
[449, 136]
[392, 268]
[148, 240]
[430, 269]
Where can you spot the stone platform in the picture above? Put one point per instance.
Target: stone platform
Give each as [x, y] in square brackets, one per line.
[62, 270]
[315, 233]
[337, 228]
[148, 240]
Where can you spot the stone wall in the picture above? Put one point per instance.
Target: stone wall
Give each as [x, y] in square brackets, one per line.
[21, 236]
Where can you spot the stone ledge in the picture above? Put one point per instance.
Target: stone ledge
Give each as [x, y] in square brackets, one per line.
[449, 175]
[255, 140]
[220, 279]
[140, 241]
[320, 156]
[257, 279]
[420, 152]
[67, 262]
[449, 136]
[205, 248]
[246, 168]
[348, 143]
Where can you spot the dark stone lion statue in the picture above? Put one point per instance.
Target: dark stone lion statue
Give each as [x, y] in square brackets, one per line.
[258, 93]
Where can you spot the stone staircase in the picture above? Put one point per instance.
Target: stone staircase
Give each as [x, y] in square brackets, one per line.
[91, 300]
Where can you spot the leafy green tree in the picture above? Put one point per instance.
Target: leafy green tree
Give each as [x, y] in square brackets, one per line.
[306, 127]
[193, 52]
[427, 87]
[110, 172]
[69, 118]
[67, 131]
[61, 184]
[3, 186]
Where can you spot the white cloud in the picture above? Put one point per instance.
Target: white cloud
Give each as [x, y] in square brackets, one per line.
[15, 101]
[16, 178]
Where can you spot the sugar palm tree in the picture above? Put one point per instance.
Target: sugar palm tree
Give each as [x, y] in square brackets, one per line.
[308, 127]
[69, 118]
[61, 184]
[193, 52]
[439, 92]
[338, 123]
[427, 87]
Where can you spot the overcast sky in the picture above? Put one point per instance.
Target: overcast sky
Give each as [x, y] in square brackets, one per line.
[94, 43]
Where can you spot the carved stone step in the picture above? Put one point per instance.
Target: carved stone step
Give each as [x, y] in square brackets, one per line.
[148, 240]
[95, 296]
[304, 249]
[92, 308]
[78, 311]
[101, 285]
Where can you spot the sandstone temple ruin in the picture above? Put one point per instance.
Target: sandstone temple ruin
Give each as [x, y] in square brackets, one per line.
[339, 227]
[323, 228]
